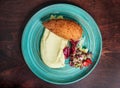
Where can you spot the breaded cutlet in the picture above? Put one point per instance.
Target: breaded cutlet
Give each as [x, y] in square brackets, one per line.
[65, 28]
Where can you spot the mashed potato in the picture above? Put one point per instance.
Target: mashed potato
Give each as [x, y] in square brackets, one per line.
[52, 49]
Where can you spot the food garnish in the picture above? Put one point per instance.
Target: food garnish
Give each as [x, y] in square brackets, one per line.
[79, 57]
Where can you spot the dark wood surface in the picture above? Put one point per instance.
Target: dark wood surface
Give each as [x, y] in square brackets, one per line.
[15, 73]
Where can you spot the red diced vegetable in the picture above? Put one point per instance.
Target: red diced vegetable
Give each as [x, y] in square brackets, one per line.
[66, 52]
[74, 43]
[85, 63]
[89, 60]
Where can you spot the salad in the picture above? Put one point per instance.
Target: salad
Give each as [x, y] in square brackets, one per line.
[79, 56]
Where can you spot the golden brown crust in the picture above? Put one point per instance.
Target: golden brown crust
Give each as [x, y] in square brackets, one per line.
[67, 29]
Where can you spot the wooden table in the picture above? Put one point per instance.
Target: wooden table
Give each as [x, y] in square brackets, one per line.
[15, 73]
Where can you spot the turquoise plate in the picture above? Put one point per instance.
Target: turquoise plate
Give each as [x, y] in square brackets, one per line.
[31, 44]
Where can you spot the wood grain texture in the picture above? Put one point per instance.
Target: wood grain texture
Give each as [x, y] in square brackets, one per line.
[13, 70]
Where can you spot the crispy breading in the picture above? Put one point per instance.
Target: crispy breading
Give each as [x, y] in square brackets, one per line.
[65, 28]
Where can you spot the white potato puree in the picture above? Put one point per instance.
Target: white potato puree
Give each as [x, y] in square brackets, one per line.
[52, 49]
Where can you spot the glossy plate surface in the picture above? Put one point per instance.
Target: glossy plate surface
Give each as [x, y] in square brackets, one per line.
[31, 44]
